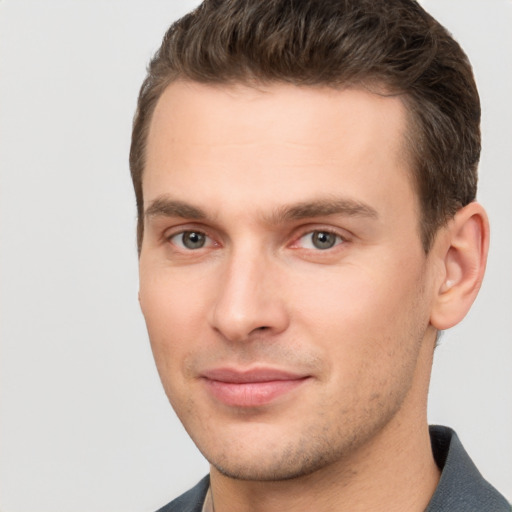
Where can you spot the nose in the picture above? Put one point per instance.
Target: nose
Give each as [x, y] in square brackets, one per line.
[250, 298]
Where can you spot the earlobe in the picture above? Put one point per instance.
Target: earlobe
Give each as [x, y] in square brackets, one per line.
[464, 258]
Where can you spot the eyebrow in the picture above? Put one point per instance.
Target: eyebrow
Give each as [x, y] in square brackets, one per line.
[323, 208]
[168, 207]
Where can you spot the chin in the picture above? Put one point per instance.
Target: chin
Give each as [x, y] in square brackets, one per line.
[270, 471]
[276, 462]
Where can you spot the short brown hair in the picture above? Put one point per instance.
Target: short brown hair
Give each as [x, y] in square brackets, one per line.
[338, 43]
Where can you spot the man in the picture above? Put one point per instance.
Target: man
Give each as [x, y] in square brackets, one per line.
[305, 174]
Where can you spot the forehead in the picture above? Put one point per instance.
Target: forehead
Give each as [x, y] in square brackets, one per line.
[275, 140]
[208, 113]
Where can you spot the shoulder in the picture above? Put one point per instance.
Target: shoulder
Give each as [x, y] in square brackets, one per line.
[461, 487]
[190, 501]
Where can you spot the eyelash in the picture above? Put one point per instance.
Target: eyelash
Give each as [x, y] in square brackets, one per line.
[182, 233]
[210, 242]
[338, 239]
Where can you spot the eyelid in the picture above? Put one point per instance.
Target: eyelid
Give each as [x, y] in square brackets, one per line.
[170, 233]
[181, 244]
[214, 240]
[342, 234]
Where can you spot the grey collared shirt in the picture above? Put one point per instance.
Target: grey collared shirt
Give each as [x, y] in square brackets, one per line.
[461, 487]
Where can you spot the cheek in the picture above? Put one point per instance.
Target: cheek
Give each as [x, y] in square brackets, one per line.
[363, 313]
[174, 315]
[171, 296]
[349, 297]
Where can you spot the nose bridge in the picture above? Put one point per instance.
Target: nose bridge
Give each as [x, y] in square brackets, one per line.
[248, 298]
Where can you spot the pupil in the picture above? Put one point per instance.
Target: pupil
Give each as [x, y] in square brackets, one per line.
[193, 240]
[323, 240]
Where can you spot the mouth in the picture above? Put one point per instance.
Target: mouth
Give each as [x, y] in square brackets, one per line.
[250, 388]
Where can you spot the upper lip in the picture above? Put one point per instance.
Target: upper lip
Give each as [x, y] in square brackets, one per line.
[244, 376]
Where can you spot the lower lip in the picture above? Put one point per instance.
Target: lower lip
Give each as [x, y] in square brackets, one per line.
[251, 394]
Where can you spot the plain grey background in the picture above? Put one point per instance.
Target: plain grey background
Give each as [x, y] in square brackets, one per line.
[84, 424]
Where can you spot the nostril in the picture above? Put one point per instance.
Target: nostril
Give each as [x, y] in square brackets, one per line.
[261, 329]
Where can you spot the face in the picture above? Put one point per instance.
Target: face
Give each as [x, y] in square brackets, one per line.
[282, 277]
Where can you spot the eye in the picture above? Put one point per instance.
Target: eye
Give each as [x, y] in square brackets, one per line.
[190, 240]
[320, 240]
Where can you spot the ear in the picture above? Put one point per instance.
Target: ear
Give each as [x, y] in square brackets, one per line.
[464, 246]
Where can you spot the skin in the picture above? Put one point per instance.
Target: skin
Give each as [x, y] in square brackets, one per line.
[257, 173]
